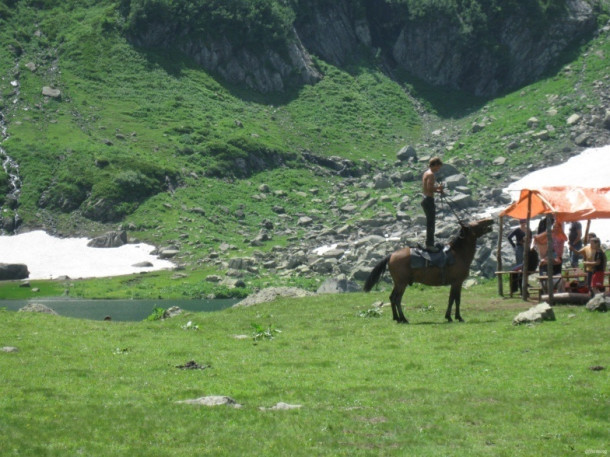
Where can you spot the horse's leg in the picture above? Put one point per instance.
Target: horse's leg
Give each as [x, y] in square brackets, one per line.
[452, 298]
[458, 299]
[395, 299]
[393, 303]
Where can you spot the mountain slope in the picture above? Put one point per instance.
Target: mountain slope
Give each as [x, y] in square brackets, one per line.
[178, 156]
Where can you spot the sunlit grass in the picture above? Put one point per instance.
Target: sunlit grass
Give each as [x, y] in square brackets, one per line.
[366, 385]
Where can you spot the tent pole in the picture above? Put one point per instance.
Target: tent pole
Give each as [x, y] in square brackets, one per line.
[526, 250]
[550, 257]
[499, 257]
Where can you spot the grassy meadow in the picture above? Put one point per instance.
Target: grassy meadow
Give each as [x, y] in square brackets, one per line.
[366, 385]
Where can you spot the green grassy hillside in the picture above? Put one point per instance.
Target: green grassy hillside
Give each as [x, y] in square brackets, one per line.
[148, 140]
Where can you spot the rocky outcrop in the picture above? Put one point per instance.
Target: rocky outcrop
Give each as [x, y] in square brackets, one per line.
[112, 239]
[513, 50]
[516, 52]
[334, 31]
[265, 69]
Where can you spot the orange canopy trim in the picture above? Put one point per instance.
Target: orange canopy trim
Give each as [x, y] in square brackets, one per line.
[566, 203]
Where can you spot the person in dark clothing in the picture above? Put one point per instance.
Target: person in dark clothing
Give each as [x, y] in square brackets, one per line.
[516, 238]
[429, 188]
[575, 243]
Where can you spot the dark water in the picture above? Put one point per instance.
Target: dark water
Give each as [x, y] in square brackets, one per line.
[118, 310]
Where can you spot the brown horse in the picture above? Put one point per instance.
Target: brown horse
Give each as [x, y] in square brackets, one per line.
[462, 247]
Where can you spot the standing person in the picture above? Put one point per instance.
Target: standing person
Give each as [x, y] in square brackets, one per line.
[599, 267]
[558, 239]
[429, 188]
[575, 242]
[516, 238]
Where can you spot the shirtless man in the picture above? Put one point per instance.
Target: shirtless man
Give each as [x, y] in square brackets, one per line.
[429, 187]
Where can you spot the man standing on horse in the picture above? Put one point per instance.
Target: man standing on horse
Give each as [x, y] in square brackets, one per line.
[429, 187]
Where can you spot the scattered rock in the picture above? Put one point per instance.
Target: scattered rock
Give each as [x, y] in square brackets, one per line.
[145, 264]
[192, 365]
[9, 349]
[270, 294]
[538, 313]
[37, 308]
[406, 153]
[213, 400]
[281, 406]
[167, 253]
[598, 303]
[172, 312]
[112, 239]
[50, 92]
[305, 221]
[338, 286]
[596, 368]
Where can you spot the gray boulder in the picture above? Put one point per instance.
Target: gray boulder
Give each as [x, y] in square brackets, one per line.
[112, 239]
[37, 308]
[406, 153]
[462, 201]
[599, 303]
[212, 400]
[50, 92]
[10, 271]
[456, 180]
[338, 286]
[538, 313]
[270, 294]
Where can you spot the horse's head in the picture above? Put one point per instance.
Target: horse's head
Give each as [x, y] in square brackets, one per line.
[481, 227]
[470, 232]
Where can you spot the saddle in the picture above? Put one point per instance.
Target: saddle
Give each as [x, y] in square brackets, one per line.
[420, 258]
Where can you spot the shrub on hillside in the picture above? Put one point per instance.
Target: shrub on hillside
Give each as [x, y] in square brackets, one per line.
[251, 22]
[241, 157]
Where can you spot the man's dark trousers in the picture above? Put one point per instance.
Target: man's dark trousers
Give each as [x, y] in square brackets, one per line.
[430, 211]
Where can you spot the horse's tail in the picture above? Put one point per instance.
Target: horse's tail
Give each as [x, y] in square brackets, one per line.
[376, 274]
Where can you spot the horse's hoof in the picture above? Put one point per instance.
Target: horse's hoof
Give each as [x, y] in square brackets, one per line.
[459, 319]
[449, 319]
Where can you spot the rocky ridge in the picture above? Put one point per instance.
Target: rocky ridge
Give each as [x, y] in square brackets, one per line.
[514, 51]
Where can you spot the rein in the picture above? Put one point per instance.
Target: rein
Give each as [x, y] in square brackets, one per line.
[449, 204]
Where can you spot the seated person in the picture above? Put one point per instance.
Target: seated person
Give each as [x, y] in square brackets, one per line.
[599, 267]
[588, 257]
[517, 279]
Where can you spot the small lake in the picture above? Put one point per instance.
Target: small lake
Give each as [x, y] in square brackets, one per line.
[118, 310]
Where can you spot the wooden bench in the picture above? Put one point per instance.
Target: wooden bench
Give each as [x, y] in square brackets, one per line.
[510, 274]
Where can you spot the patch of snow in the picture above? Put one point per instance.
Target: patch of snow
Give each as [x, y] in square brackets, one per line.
[48, 257]
[323, 249]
